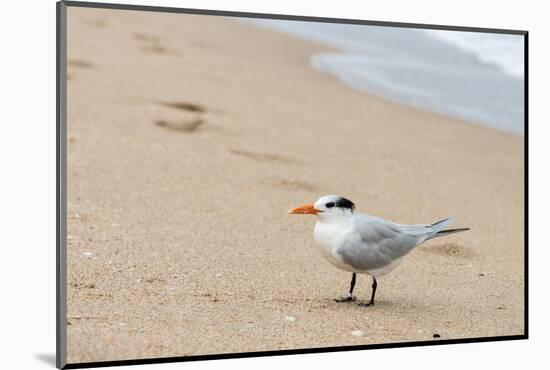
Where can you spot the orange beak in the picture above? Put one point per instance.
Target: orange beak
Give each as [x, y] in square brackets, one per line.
[304, 210]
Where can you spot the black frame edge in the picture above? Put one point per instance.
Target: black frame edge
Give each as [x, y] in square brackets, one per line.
[61, 170]
[526, 183]
[226, 13]
[223, 356]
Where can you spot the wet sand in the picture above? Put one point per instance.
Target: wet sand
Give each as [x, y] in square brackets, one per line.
[189, 139]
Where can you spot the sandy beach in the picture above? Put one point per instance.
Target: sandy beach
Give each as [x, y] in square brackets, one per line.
[190, 138]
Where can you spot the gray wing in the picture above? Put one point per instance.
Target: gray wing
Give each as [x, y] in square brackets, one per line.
[378, 242]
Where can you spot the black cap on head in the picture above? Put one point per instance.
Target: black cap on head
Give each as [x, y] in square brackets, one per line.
[345, 203]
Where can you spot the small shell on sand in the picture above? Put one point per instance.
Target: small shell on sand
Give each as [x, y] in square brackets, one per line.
[358, 333]
[290, 318]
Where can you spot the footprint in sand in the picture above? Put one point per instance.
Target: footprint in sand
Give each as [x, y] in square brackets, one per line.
[190, 125]
[83, 285]
[295, 185]
[189, 117]
[185, 106]
[449, 250]
[79, 63]
[75, 64]
[290, 185]
[98, 22]
[263, 157]
[152, 44]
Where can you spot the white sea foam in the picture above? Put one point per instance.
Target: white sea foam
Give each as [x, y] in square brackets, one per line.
[474, 76]
[504, 51]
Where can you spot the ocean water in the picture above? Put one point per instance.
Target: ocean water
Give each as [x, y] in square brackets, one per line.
[473, 76]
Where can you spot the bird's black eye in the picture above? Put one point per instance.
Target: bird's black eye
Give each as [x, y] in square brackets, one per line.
[329, 205]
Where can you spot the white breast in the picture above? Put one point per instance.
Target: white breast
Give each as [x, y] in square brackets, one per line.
[328, 238]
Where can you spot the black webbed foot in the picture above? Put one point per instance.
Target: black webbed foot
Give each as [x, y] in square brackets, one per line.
[347, 298]
[365, 304]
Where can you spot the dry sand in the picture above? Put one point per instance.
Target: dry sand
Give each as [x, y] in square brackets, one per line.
[190, 137]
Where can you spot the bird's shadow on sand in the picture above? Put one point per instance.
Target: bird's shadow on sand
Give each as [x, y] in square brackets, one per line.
[382, 305]
[47, 358]
[331, 304]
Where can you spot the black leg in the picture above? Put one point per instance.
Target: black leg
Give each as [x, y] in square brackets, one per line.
[352, 283]
[374, 285]
[350, 296]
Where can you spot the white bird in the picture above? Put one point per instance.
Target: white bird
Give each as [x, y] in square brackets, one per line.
[364, 244]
